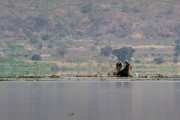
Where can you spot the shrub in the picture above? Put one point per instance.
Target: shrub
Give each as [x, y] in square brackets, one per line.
[61, 52]
[33, 40]
[28, 32]
[45, 37]
[87, 8]
[126, 8]
[36, 57]
[41, 21]
[106, 51]
[158, 60]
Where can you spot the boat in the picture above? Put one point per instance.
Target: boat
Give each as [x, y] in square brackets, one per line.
[122, 70]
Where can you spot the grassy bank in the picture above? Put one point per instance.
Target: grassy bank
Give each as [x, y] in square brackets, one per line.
[11, 67]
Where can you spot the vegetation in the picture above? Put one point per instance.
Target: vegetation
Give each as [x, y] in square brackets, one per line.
[80, 33]
[158, 60]
[125, 53]
[61, 52]
[36, 57]
[11, 67]
[87, 8]
[106, 51]
[46, 37]
[33, 39]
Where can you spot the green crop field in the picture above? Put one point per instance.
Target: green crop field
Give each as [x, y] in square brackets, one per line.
[10, 67]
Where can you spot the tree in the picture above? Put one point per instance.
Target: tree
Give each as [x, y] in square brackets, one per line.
[176, 50]
[158, 60]
[125, 53]
[36, 57]
[106, 51]
[62, 52]
[33, 39]
[45, 37]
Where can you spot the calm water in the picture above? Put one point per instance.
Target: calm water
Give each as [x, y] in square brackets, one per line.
[89, 100]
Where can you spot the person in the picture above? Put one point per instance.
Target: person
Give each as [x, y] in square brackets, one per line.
[119, 66]
[126, 63]
[124, 70]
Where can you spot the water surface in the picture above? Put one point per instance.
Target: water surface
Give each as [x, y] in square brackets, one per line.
[97, 100]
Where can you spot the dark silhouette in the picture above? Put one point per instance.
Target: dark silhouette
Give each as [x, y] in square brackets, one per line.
[125, 53]
[119, 66]
[123, 71]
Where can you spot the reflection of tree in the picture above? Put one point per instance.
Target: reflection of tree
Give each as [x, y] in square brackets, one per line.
[123, 84]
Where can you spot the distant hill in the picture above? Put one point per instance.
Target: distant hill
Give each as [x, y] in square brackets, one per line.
[57, 26]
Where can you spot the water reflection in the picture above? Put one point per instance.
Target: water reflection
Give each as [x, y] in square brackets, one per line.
[89, 101]
[123, 84]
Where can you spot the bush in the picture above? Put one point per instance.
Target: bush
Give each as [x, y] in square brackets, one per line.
[106, 51]
[126, 8]
[61, 52]
[41, 21]
[45, 37]
[36, 57]
[28, 32]
[33, 39]
[158, 60]
[87, 8]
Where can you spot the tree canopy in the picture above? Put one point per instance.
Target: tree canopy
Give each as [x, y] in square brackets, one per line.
[36, 57]
[125, 53]
[106, 51]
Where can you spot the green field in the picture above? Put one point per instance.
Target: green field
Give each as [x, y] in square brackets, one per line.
[158, 70]
[11, 67]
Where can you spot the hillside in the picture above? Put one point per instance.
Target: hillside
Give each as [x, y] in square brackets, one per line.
[76, 30]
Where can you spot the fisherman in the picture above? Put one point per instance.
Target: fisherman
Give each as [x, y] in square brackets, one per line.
[123, 70]
[118, 66]
[126, 63]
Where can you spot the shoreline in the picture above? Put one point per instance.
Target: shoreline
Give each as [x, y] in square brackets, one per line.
[109, 79]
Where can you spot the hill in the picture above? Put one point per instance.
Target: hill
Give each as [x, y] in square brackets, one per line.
[75, 31]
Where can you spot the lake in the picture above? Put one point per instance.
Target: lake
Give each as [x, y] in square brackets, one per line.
[89, 100]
